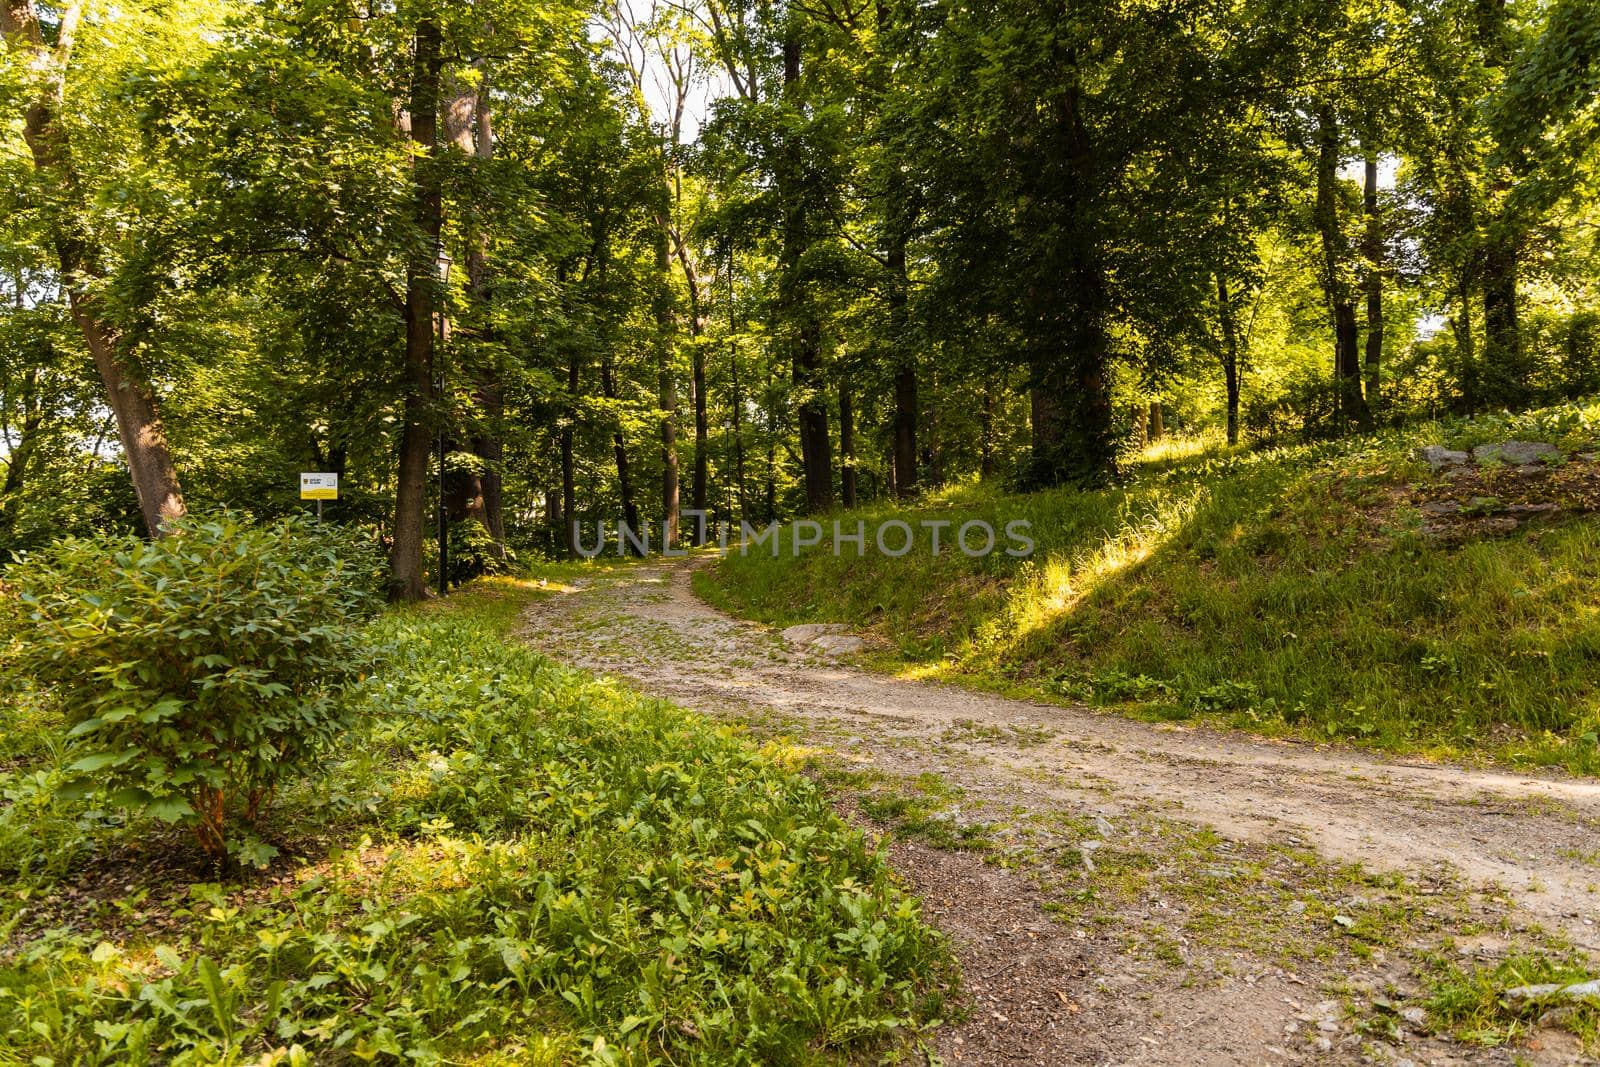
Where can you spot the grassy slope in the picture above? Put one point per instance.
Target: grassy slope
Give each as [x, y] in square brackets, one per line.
[510, 864]
[1288, 591]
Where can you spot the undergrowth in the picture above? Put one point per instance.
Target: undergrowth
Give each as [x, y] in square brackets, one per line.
[1288, 591]
[509, 863]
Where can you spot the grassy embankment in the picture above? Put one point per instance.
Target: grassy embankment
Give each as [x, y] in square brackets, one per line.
[511, 863]
[1291, 592]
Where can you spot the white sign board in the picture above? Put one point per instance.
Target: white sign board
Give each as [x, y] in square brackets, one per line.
[319, 486]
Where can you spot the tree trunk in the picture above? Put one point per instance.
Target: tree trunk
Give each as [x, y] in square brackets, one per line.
[796, 317]
[905, 376]
[1346, 333]
[1230, 356]
[132, 399]
[619, 448]
[1502, 333]
[469, 126]
[986, 443]
[1073, 438]
[1158, 428]
[569, 476]
[1374, 256]
[847, 445]
[668, 386]
[420, 416]
[697, 383]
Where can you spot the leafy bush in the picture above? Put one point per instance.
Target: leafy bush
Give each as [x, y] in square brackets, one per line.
[197, 670]
[533, 867]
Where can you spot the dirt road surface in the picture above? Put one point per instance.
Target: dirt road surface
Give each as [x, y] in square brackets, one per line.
[1119, 892]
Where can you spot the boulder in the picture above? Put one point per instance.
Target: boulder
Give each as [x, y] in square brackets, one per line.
[1440, 457]
[806, 633]
[1516, 453]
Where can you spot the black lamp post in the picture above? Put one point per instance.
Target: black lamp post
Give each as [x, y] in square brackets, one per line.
[444, 261]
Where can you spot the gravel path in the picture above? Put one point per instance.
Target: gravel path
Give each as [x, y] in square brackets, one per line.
[1053, 979]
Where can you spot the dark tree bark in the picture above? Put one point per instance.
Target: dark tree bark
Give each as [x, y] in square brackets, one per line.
[420, 415]
[129, 395]
[986, 443]
[1158, 427]
[569, 479]
[1341, 304]
[1373, 250]
[796, 317]
[1068, 307]
[668, 395]
[737, 398]
[847, 445]
[1502, 329]
[700, 477]
[905, 375]
[477, 494]
[1230, 355]
[619, 449]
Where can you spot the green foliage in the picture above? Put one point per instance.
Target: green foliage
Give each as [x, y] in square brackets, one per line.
[195, 671]
[530, 866]
[1285, 591]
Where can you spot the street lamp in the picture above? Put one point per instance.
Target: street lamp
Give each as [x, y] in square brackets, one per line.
[443, 262]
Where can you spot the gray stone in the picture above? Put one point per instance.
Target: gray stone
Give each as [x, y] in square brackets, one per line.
[838, 644]
[1575, 991]
[1439, 457]
[1435, 509]
[1516, 453]
[806, 633]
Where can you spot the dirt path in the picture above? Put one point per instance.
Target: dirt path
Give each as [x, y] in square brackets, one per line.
[1196, 878]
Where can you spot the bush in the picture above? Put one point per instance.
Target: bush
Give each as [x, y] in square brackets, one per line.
[196, 671]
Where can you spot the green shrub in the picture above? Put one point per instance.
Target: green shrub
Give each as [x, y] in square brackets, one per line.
[196, 671]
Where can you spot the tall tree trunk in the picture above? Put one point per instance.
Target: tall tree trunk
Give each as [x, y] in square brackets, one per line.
[1466, 347]
[131, 398]
[476, 494]
[1158, 426]
[986, 436]
[1373, 249]
[700, 477]
[796, 316]
[619, 448]
[736, 396]
[905, 374]
[1230, 355]
[1502, 331]
[569, 474]
[1346, 333]
[420, 414]
[847, 444]
[668, 395]
[1073, 439]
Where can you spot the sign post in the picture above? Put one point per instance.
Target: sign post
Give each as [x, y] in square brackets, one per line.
[319, 487]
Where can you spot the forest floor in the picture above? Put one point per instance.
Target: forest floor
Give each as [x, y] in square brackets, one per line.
[1121, 892]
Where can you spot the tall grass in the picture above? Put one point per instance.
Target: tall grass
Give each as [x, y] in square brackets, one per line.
[1286, 591]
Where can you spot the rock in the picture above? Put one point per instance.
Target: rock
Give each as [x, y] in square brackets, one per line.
[1439, 457]
[1437, 509]
[1414, 1016]
[838, 644]
[1532, 509]
[808, 632]
[1516, 453]
[1575, 991]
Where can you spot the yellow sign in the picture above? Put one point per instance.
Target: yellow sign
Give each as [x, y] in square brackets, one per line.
[319, 487]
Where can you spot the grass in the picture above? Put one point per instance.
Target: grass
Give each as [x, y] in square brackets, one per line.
[511, 863]
[1289, 591]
